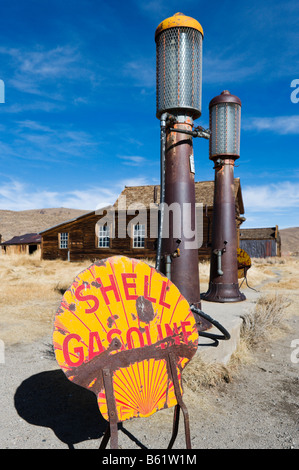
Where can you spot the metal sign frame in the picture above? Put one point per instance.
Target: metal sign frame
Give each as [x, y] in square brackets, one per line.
[112, 427]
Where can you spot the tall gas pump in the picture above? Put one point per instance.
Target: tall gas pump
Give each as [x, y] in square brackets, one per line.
[179, 82]
[225, 118]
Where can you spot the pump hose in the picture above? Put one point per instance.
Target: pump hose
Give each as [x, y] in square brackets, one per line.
[221, 328]
[162, 189]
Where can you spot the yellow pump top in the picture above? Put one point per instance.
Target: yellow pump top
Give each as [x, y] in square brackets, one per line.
[178, 20]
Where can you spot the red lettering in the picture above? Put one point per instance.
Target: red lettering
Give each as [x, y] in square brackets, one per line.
[148, 336]
[146, 286]
[91, 352]
[129, 337]
[79, 351]
[162, 296]
[117, 332]
[111, 287]
[128, 285]
[87, 298]
[173, 333]
[186, 333]
[160, 336]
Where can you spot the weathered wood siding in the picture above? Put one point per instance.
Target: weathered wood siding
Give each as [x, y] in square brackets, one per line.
[19, 249]
[83, 240]
[259, 248]
[82, 243]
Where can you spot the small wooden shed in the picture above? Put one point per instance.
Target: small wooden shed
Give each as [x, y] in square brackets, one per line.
[261, 242]
[27, 244]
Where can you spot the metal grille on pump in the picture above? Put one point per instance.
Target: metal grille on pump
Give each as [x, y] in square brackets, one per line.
[225, 125]
[179, 63]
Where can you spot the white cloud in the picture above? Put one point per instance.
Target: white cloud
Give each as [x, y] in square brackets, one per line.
[271, 204]
[278, 197]
[278, 124]
[17, 196]
[33, 125]
[142, 72]
[133, 160]
[35, 141]
[47, 73]
[154, 8]
[229, 67]
[137, 181]
[58, 62]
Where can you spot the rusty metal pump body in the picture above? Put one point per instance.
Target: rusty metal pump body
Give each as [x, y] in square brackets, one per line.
[225, 114]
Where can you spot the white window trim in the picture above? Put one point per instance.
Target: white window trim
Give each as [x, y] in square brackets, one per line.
[138, 236]
[63, 240]
[102, 234]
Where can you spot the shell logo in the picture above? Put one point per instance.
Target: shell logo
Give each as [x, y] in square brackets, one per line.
[122, 315]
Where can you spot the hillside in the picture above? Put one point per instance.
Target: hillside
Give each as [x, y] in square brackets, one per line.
[289, 240]
[14, 223]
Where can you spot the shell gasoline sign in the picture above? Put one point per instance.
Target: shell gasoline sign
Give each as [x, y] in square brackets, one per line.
[122, 314]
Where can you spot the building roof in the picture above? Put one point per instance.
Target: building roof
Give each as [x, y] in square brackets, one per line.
[259, 233]
[146, 195]
[68, 221]
[28, 238]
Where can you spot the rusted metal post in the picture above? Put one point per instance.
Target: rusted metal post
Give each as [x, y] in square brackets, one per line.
[225, 113]
[180, 204]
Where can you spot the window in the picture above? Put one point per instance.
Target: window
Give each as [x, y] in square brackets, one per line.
[63, 240]
[104, 236]
[138, 236]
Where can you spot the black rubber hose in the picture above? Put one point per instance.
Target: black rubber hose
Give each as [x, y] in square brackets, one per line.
[162, 190]
[225, 336]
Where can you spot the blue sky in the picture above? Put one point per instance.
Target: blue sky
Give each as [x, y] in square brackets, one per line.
[78, 122]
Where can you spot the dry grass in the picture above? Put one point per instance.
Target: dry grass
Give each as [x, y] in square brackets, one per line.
[31, 290]
[261, 271]
[199, 375]
[267, 321]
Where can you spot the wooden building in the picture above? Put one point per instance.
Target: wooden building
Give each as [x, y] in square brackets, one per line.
[261, 242]
[129, 227]
[27, 244]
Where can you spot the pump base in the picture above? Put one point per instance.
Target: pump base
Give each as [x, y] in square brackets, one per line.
[219, 292]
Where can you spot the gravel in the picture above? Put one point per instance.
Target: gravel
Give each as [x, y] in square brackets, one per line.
[259, 409]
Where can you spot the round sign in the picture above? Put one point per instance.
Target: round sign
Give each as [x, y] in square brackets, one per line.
[123, 315]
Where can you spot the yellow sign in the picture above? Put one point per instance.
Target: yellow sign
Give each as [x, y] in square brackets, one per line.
[244, 262]
[123, 315]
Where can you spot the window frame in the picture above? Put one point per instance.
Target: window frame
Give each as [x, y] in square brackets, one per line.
[64, 240]
[101, 237]
[138, 236]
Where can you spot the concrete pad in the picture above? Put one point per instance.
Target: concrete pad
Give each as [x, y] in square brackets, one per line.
[229, 316]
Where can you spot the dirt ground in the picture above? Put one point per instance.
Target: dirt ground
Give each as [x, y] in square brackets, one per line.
[41, 409]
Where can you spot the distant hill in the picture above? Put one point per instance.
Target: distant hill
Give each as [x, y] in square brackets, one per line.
[289, 240]
[15, 223]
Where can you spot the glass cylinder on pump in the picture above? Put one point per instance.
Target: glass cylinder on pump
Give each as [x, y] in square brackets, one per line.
[225, 121]
[179, 66]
